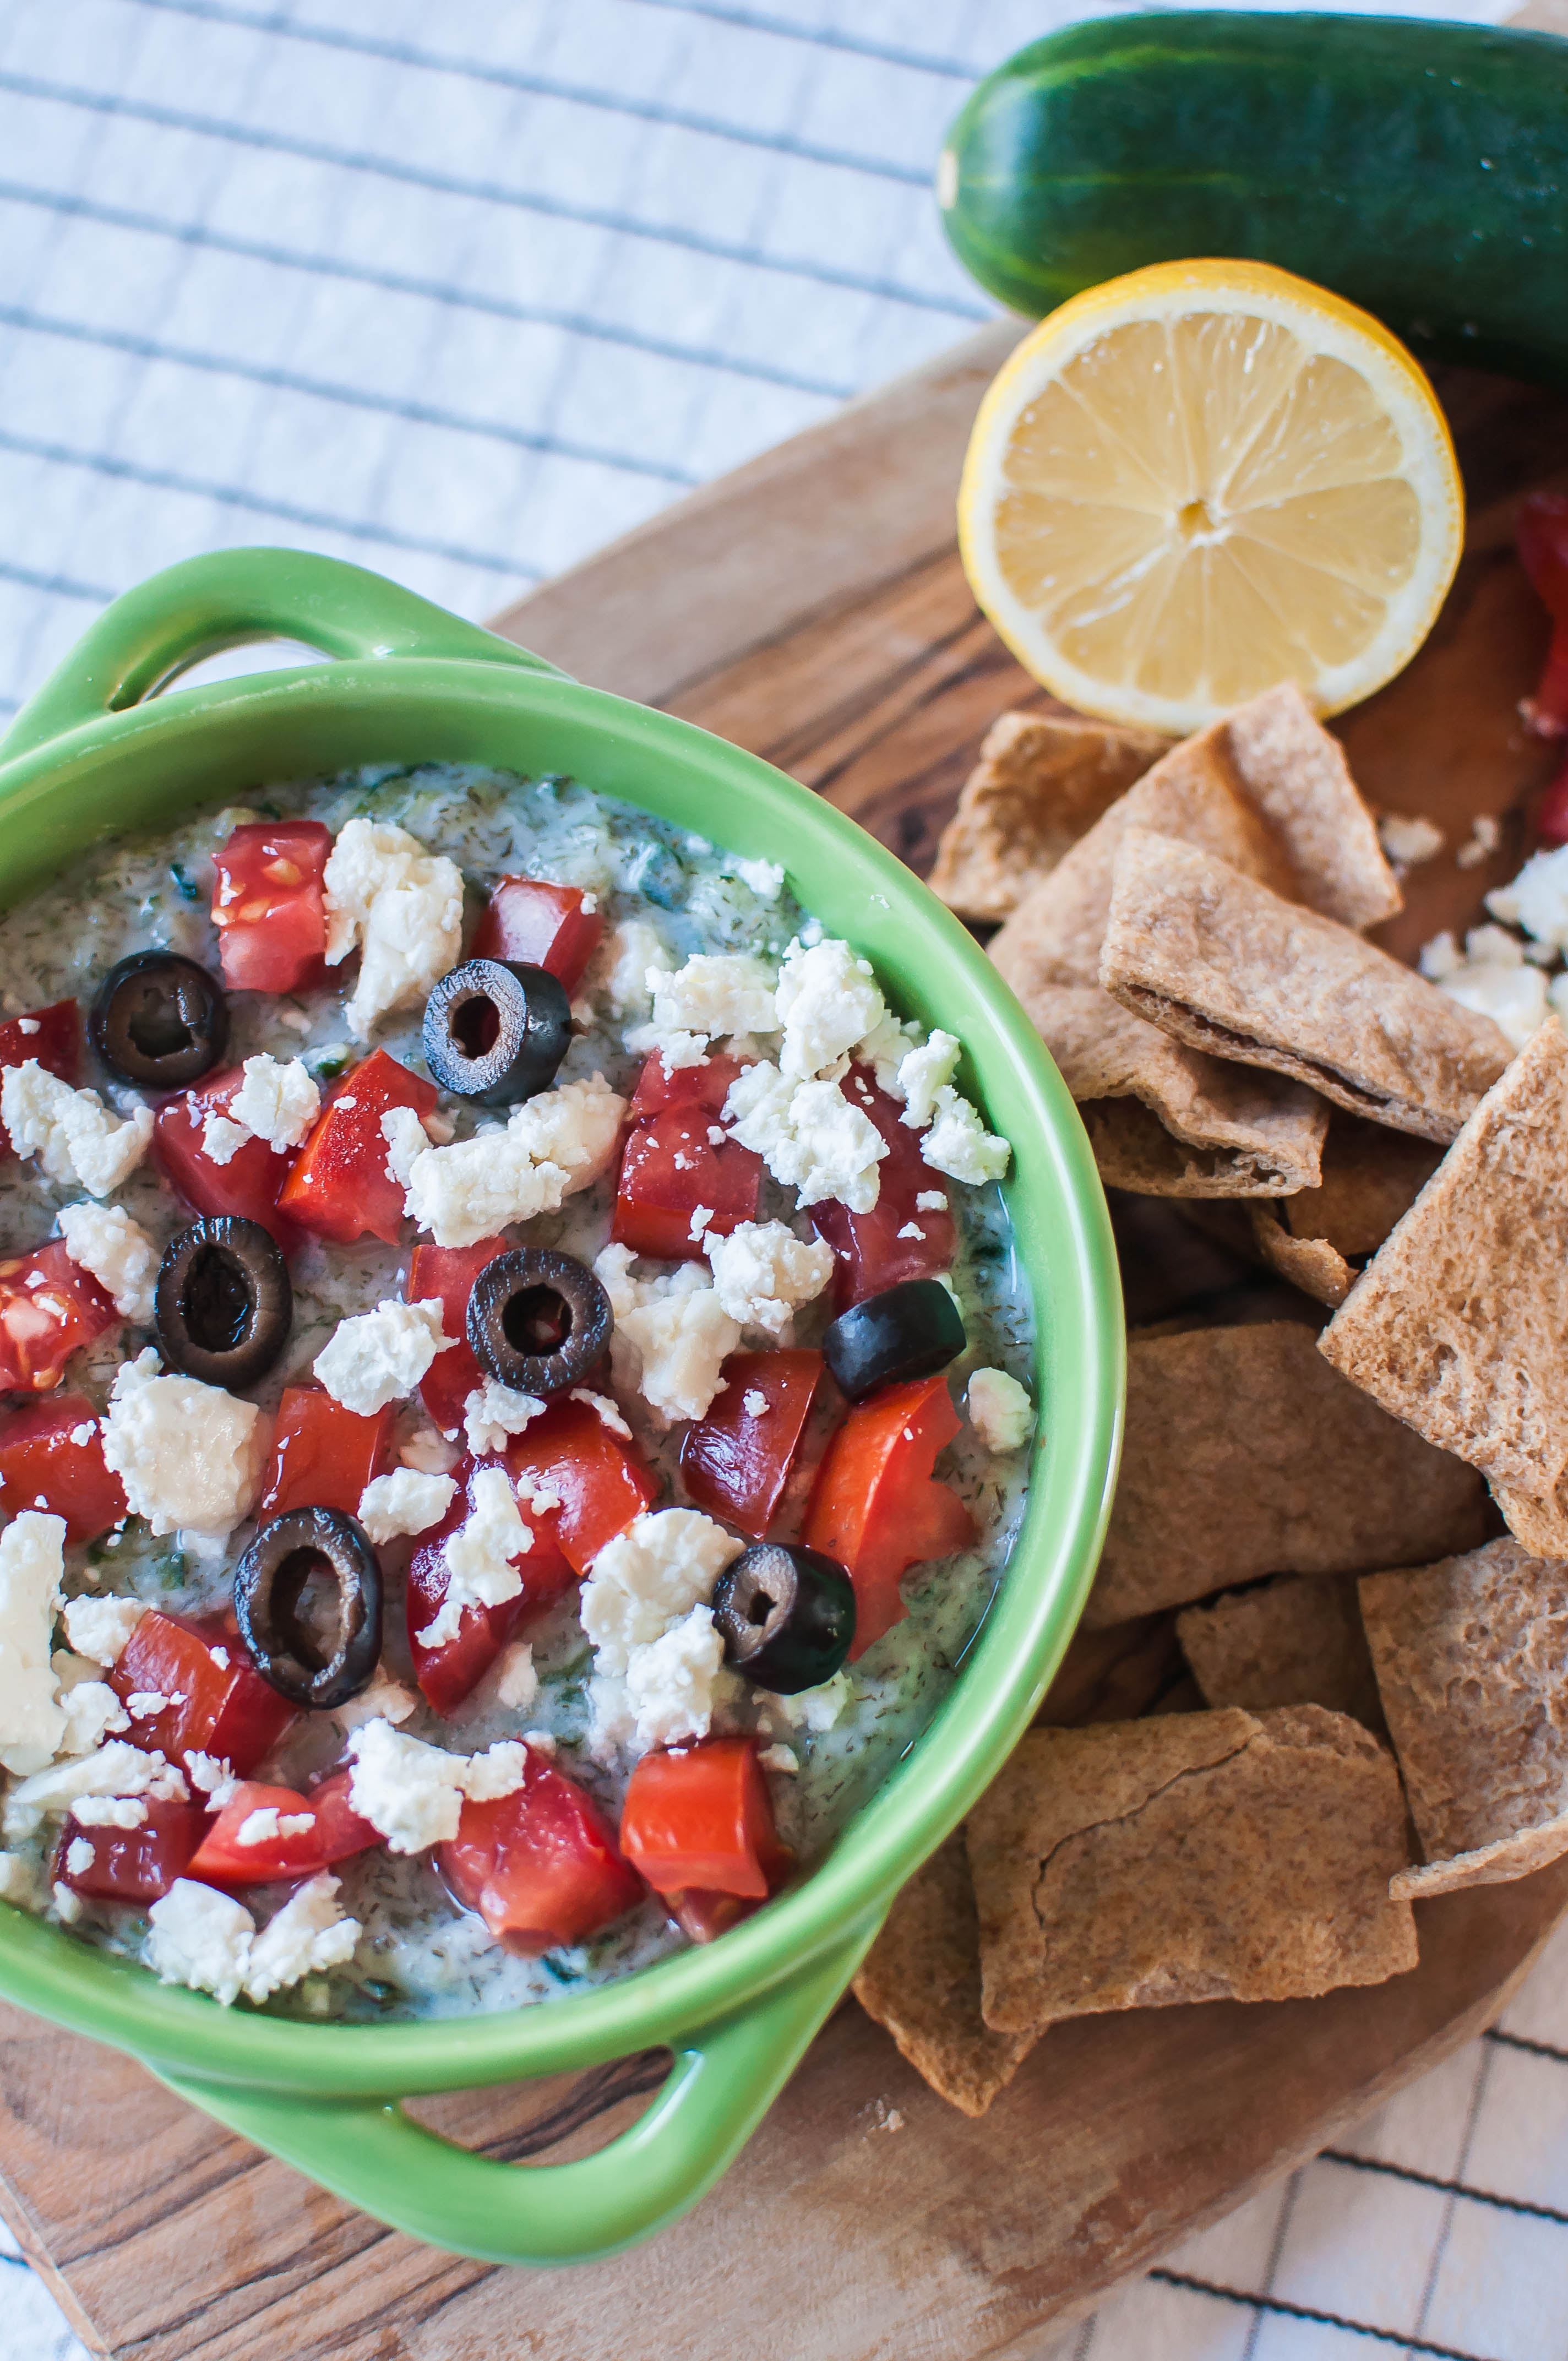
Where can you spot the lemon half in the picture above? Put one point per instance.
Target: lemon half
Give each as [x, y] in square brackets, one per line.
[1205, 479]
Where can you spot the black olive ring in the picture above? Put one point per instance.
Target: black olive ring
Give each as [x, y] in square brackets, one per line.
[159, 1021]
[787, 1615]
[908, 1331]
[496, 1031]
[225, 1302]
[538, 1322]
[268, 1587]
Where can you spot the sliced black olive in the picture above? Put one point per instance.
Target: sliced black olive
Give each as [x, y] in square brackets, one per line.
[159, 1021]
[496, 1031]
[787, 1615]
[538, 1320]
[225, 1302]
[313, 1658]
[908, 1331]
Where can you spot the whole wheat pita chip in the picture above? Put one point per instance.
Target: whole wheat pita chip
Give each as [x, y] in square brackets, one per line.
[1314, 1266]
[1371, 1178]
[920, 1980]
[1295, 1640]
[1042, 780]
[1166, 1121]
[1113, 1675]
[1220, 962]
[1458, 1324]
[1239, 1460]
[1204, 1856]
[1472, 1662]
[1541, 1525]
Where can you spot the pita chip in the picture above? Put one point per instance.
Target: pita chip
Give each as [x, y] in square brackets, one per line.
[1043, 779]
[1472, 1662]
[1295, 1640]
[1239, 1460]
[1458, 1324]
[1313, 1265]
[1541, 1525]
[1203, 1856]
[1220, 962]
[1115, 1673]
[1371, 1178]
[920, 1980]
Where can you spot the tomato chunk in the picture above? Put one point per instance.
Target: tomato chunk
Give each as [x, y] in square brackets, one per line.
[270, 905]
[540, 1867]
[706, 1084]
[247, 1185]
[869, 1250]
[447, 1671]
[876, 1507]
[670, 1168]
[50, 1037]
[543, 926]
[218, 1702]
[133, 1864]
[322, 1455]
[49, 1307]
[51, 1457]
[736, 1462]
[445, 1275]
[336, 1832]
[599, 1477]
[702, 1818]
[339, 1186]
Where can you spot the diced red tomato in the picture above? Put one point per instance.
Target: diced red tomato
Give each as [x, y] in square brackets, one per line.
[219, 1704]
[322, 1455]
[702, 1818]
[541, 1866]
[600, 1479]
[49, 1307]
[541, 925]
[877, 1508]
[445, 1275]
[734, 1464]
[339, 1186]
[670, 1168]
[50, 1037]
[43, 1464]
[703, 1915]
[247, 1185]
[448, 1673]
[270, 907]
[706, 1084]
[134, 1864]
[869, 1250]
[336, 1832]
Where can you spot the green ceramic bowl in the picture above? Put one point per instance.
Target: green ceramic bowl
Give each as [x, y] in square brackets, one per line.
[97, 752]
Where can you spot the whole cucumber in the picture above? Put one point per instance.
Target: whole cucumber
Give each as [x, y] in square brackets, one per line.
[1420, 168]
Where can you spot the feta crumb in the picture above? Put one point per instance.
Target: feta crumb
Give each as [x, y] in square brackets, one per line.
[649, 1577]
[493, 1414]
[1494, 978]
[931, 1200]
[260, 1827]
[676, 1051]
[67, 1905]
[912, 1230]
[112, 1812]
[921, 1074]
[1486, 835]
[402, 906]
[118, 1769]
[309, 1935]
[762, 1273]
[201, 1938]
[701, 1216]
[1537, 900]
[611, 1722]
[715, 993]
[670, 1681]
[92, 1710]
[518, 1683]
[1407, 838]
[999, 1409]
[765, 878]
[212, 1776]
[406, 1138]
[117, 1252]
[403, 1502]
[79, 1855]
[75, 1138]
[959, 1144]
[386, 1700]
[780, 1757]
[275, 1101]
[190, 1456]
[412, 1793]
[432, 1453]
[99, 1627]
[32, 1560]
[375, 1356]
[221, 1140]
[552, 1146]
[808, 1134]
[479, 1557]
[631, 949]
[146, 1705]
[681, 1336]
[813, 1709]
[828, 999]
[606, 1411]
[753, 1404]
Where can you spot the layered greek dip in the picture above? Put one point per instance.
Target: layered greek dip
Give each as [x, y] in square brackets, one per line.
[514, 1403]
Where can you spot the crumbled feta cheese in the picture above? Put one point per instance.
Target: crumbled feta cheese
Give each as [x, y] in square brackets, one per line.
[765, 878]
[912, 1230]
[611, 1722]
[75, 1138]
[403, 1502]
[1486, 835]
[715, 993]
[221, 1140]
[959, 1144]
[146, 1705]
[518, 1683]
[1440, 958]
[386, 1700]
[701, 1216]
[117, 1252]
[18, 1879]
[276, 1101]
[670, 1681]
[309, 1935]
[554, 1144]
[999, 1409]
[202, 1938]
[432, 1453]
[266, 1824]
[681, 1337]
[780, 1757]
[99, 1627]
[1537, 900]
[402, 906]
[478, 1557]
[92, 1710]
[762, 1273]
[922, 1073]
[1407, 839]
[931, 1200]
[212, 1776]
[1494, 978]
[79, 1855]
[813, 1709]
[112, 1812]
[828, 999]
[190, 1455]
[650, 1577]
[377, 1356]
[67, 1905]
[808, 1134]
[118, 1769]
[406, 1138]
[411, 1794]
[631, 951]
[493, 1414]
[605, 1410]
[676, 1051]
[32, 1559]
[753, 1404]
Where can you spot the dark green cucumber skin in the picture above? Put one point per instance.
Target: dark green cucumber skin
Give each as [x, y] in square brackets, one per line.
[1420, 170]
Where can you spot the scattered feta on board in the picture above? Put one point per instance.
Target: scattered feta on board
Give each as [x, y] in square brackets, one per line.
[376, 1357]
[75, 1138]
[117, 1252]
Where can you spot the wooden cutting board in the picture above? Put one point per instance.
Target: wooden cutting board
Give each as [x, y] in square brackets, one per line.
[811, 607]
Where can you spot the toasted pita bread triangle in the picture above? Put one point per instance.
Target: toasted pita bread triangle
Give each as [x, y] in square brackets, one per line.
[1043, 779]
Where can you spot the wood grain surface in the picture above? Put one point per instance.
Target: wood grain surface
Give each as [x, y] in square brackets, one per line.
[812, 608]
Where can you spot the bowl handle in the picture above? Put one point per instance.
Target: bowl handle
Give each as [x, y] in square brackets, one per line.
[206, 604]
[374, 2154]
